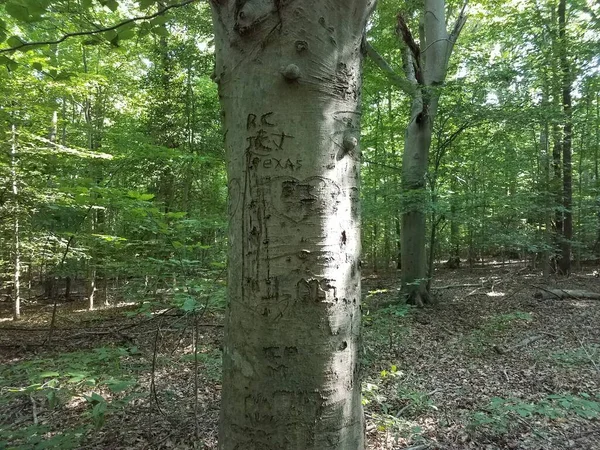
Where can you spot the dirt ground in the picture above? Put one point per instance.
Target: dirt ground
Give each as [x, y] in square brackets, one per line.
[489, 367]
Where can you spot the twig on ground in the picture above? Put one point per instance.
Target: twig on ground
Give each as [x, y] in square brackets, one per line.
[456, 286]
[35, 415]
[587, 353]
[525, 342]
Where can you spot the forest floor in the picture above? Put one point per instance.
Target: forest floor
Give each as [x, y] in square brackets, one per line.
[489, 367]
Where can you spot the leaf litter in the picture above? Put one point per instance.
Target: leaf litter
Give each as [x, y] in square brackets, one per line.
[489, 367]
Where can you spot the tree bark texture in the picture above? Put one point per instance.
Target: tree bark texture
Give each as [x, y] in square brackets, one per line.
[289, 83]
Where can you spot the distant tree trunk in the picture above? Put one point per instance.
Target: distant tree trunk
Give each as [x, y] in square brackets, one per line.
[454, 230]
[583, 145]
[16, 290]
[564, 262]
[397, 221]
[597, 176]
[426, 67]
[545, 158]
[289, 83]
[67, 288]
[91, 290]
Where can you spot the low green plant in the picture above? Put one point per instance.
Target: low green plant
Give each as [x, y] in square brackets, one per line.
[582, 356]
[388, 401]
[502, 414]
[41, 437]
[210, 363]
[51, 382]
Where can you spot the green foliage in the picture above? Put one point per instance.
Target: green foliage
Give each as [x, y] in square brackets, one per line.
[54, 382]
[40, 437]
[582, 356]
[395, 403]
[501, 415]
[210, 363]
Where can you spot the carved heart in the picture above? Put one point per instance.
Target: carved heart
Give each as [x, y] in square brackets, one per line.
[298, 200]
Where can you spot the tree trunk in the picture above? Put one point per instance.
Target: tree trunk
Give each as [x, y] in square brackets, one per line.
[564, 263]
[67, 288]
[289, 84]
[545, 159]
[16, 290]
[426, 69]
[597, 176]
[91, 290]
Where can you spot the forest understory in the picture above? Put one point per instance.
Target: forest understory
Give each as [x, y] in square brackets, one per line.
[490, 367]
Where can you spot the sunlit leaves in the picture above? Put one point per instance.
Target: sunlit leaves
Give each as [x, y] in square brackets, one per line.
[113, 5]
[9, 63]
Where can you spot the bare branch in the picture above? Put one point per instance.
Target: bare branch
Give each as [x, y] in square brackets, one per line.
[399, 81]
[403, 30]
[63, 38]
[458, 26]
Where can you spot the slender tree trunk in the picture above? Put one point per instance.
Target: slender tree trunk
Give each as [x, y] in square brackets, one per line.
[583, 145]
[564, 263]
[67, 288]
[597, 176]
[91, 290]
[289, 84]
[16, 291]
[557, 184]
[548, 197]
[397, 221]
[454, 225]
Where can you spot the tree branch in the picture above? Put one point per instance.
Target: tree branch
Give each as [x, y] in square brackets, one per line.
[92, 32]
[458, 26]
[399, 81]
[403, 30]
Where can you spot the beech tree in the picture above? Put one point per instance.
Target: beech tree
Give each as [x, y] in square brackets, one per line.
[289, 77]
[425, 65]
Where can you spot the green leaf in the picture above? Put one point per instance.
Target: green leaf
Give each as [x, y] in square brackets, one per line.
[127, 34]
[176, 215]
[37, 66]
[49, 374]
[14, 41]
[96, 398]
[64, 76]
[189, 305]
[9, 63]
[17, 11]
[144, 29]
[140, 196]
[160, 31]
[159, 20]
[110, 35]
[113, 5]
[144, 4]
[116, 386]
[86, 4]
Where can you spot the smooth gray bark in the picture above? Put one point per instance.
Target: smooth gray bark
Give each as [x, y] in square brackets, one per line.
[289, 83]
[426, 66]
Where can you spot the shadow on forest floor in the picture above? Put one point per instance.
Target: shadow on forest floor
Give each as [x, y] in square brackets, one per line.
[490, 367]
